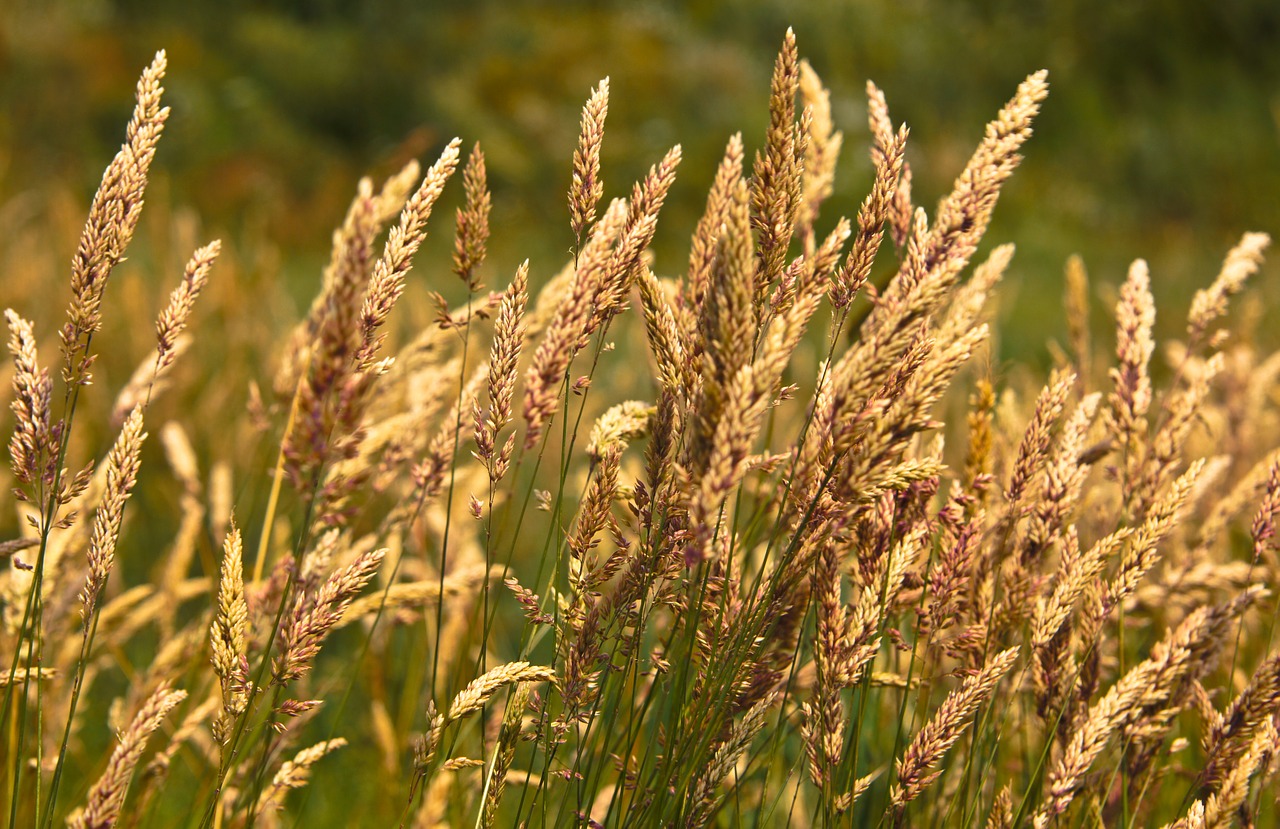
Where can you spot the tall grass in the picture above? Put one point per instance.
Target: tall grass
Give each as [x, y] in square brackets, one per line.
[767, 543]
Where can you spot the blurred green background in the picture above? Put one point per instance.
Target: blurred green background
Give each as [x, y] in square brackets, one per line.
[1160, 138]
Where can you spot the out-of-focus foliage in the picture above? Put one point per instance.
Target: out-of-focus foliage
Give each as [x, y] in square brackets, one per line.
[1160, 140]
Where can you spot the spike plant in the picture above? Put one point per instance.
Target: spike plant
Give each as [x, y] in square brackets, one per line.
[755, 538]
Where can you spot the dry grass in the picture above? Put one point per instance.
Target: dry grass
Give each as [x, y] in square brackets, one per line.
[639, 549]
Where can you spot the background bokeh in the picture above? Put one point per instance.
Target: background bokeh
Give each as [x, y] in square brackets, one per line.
[1159, 138]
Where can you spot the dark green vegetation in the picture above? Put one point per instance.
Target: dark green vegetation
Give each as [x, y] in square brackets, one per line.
[1162, 137]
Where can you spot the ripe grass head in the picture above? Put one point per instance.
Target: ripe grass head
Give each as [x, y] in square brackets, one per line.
[756, 537]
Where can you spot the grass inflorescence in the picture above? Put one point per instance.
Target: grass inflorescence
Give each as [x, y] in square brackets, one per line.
[760, 539]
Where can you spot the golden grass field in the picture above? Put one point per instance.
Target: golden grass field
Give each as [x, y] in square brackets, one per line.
[758, 537]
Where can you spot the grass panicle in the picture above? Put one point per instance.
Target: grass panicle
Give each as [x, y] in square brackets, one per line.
[774, 535]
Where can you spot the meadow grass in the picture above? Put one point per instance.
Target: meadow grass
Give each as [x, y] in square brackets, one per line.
[762, 538]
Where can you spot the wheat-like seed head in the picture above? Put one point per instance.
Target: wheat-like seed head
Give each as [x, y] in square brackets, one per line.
[122, 473]
[1152, 689]
[107, 795]
[871, 220]
[312, 621]
[293, 774]
[563, 337]
[387, 282]
[229, 633]
[945, 728]
[822, 148]
[900, 209]
[587, 187]
[482, 688]
[504, 358]
[29, 446]
[1210, 303]
[472, 236]
[113, 217]
[508, 739]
